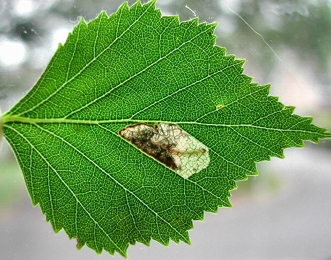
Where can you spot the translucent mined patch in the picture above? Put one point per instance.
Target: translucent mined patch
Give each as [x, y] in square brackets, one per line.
[170, 145]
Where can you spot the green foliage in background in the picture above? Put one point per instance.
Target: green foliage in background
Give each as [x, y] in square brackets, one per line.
[136, 67]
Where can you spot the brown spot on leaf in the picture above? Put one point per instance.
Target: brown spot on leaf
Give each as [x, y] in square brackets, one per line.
[170, 145]
[143, 136]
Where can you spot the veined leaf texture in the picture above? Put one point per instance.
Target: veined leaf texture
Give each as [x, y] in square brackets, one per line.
[139, 125]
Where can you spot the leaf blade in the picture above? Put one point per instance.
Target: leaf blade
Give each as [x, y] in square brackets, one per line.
[65, 131]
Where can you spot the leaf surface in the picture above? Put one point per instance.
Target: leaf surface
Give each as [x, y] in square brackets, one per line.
[136, 67]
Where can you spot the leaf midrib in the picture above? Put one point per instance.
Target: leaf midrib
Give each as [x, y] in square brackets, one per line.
[130, 121]
[18, 119]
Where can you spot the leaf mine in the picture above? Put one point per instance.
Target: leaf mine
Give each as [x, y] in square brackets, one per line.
[170, 145]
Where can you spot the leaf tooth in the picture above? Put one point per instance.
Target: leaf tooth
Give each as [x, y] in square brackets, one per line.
[162, 241]
[273, 99]
[189, 23]
[92, 22]
[220, 50]
[124, 8]
[136, 5]
[229, 204]
[149, 4]
[237, 63]
[215, 208]
[166, 240]
[213, 26]
[240, 62]
[111, 250]
[185, 238]
[280, 154]
[111, 16]
[48, 217]
[174, 19]
[214, 37]
[230, 58]
[82, 22]
[81, 25]
[289, 109]
[158, 13]
[195, 21]
[102, 13]
[248, 79]
[100, 16]
[204, 25]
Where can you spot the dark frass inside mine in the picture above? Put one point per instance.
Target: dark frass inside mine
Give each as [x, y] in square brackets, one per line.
[141, 135]
[170, 145]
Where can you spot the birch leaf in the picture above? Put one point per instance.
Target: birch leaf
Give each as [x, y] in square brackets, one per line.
[139, 125]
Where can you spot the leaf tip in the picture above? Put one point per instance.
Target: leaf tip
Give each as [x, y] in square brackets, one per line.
[324, 135]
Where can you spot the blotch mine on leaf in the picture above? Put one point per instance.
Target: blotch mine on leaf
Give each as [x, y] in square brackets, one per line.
[170, 145]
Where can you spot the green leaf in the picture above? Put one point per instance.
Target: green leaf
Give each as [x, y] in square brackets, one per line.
[139, 124]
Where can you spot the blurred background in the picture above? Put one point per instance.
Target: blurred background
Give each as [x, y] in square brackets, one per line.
[285, 213]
